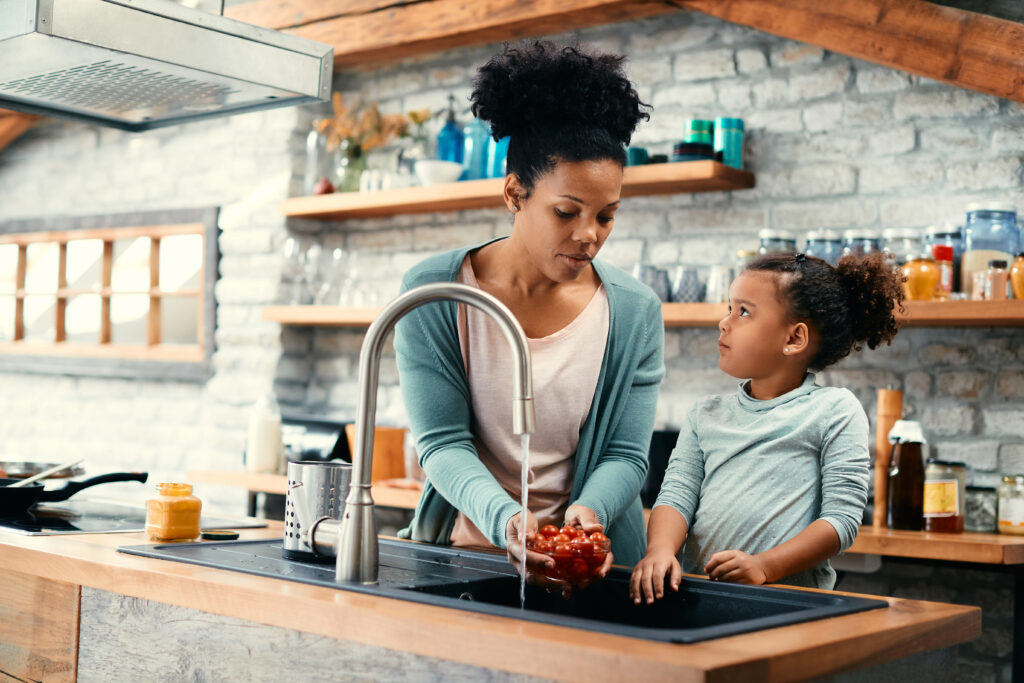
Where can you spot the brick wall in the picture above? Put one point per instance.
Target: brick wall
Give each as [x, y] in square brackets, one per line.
[835, 142]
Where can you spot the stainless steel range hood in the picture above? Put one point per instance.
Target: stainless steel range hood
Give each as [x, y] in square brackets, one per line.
[141, 64]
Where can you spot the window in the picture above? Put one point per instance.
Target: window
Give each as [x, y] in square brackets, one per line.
[134, 293]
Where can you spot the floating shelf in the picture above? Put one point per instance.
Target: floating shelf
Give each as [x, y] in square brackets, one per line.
[675, 178]
[919, 314]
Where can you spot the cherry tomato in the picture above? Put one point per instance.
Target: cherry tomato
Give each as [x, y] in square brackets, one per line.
[562, 550]
[570, 531]
[583, 547]
[598, 538]
[561, 538]
[549, 530]
[579, 569]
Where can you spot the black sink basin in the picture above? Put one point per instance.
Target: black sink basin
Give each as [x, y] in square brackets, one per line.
[486, 583]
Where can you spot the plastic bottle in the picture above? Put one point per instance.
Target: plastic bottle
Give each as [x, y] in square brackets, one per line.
[474, 145]
[450, 139]
[264, 445]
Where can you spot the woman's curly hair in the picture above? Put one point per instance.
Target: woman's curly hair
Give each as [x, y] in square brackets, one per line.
[556, 104]
[849, 305]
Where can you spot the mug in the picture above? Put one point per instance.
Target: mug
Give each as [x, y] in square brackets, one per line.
[316, 489]
[654, 277]
[686, 285]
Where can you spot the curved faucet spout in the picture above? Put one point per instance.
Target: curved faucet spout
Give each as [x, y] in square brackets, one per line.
[357, 559]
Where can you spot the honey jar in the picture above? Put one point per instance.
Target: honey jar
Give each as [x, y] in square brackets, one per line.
[922, 278]
[173, 514]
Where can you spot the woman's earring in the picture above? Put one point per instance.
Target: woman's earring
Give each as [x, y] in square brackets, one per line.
[514, 208]
[785, 350]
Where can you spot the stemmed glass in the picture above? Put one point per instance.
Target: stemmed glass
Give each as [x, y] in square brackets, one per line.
[333, 266]
[291, 271]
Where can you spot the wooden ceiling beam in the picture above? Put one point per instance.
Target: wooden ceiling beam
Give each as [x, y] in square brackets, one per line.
[13, 124]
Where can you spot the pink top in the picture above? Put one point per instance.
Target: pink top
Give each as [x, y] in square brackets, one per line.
[566, 366]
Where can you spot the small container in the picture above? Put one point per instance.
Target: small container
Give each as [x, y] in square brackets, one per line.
[173, 514]
[728, 141]
[775, 241]
[901, 244]
[943, 255]
[991, 234]
[1011, 504]
[860, 242]
[980, 509]
[922, 278]
[692, 151]
[996, 279]
[699, 130]
[945, 484]
[949, 235]
[1017, 277]
[825, 244]
[743, 259]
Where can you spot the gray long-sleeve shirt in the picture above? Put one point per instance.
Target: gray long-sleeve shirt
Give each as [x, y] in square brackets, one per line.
[749, 475]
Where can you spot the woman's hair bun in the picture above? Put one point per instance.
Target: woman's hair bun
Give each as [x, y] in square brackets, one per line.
[538, 84]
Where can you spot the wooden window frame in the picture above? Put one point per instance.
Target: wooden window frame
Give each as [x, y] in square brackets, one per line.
[105, 358]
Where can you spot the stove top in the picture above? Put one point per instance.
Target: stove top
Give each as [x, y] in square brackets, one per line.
[97, 517]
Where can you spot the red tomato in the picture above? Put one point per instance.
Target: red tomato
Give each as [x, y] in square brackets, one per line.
[598, 538]
[579, 569]
[570, 531]
[549, 530]
[562, 551]
[561, 538]
[582, 546]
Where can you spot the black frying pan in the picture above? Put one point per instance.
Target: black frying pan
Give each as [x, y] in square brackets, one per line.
[17, 501]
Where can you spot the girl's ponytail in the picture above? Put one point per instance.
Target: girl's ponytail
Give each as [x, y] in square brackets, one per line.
[874, 290]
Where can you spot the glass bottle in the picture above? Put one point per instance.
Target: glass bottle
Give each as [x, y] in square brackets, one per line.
[497, 154]
[922, 278]
[1011, 504]
[860, 242]
[905, 490]
[949, 235]
[264, 445]
[351, 164]
[1017, 277]
[173, 514]
[321, 165]
[943, 255]
[991, 234]
[775, 241]
[450, 139]
[825, 244]
[944, 489]
[474, 146]
[996, 279]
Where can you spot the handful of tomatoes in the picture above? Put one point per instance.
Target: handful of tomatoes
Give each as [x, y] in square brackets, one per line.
[578, 555]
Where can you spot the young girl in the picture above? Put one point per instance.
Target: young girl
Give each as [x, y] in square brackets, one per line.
[765, 485]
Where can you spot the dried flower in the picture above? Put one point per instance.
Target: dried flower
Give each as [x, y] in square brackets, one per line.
[365, 128]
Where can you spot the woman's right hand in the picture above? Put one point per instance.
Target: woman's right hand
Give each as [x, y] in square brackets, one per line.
[648, 580]
[515, 546]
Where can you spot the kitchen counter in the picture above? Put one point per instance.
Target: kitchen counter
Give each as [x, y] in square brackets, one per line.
[47, 578]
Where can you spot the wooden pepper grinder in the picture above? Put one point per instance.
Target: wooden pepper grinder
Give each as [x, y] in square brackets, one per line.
[890, 409]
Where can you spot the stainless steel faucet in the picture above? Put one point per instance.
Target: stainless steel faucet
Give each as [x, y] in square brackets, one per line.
[357, 553]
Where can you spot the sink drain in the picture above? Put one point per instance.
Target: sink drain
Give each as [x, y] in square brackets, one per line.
[467, 596]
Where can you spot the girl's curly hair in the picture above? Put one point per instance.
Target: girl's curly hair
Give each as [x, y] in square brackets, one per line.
[556, 104]
[849, 305]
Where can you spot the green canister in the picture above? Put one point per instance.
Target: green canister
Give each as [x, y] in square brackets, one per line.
[699, 131]
[728, 142]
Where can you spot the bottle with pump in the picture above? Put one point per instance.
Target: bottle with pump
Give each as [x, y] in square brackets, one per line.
[264, 445]
[450, 139]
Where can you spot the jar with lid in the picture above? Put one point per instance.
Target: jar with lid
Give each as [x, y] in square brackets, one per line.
[944, 488]
[901, 244]
[991, 234]
[943, 255]
[743, 259]
[949, 235]
[1017, 276]
[173, 514]
[859, 242]
[996, 281]
[922, 278]
[825, 244]
[773, 241]
[1011, 504]
[980, 509]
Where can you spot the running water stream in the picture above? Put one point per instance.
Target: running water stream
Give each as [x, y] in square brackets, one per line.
[524, 476]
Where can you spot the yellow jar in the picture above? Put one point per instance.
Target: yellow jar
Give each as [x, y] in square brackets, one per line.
[173, 514]
[1017, 277]
[922, 278]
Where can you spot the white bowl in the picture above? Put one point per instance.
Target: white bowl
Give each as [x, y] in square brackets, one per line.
[434, 172]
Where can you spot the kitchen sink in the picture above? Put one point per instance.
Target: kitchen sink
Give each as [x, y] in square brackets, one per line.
[486, 583]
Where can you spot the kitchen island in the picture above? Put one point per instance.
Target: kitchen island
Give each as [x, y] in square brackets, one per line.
[77, 608]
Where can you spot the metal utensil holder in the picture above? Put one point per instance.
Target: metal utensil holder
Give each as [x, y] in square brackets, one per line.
[316, 490]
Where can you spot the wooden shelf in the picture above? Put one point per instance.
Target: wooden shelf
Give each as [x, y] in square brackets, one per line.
[383, 495]
[965, 547]
[919, 314]
[682, 177]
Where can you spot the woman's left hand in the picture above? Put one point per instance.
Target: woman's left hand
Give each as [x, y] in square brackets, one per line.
[736, 566]
[583, 517]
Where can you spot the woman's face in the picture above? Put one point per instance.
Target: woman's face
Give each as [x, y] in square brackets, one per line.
[568, 216]
[753, 335]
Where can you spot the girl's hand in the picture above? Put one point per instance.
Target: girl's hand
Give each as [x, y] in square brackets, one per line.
[736, 566]
[648, 580]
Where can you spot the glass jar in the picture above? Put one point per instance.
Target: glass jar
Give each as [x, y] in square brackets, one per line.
[743, 259]
[996, 281]
[776, 241]
[944, 488]
[860, 242]
[991, 234]
[922, 278]
[951, 236]
[980, 509]
[1017, 277]
[943, 255]
[321, 164]
[173, 514]
[825, 244]
[1011, 504]
[901, 244]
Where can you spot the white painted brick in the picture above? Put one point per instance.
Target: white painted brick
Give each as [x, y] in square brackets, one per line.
[1010, 384]
[442, 238]
[246, 291]
[984, 175]
[1008, 421]
[814, 180]
[895, 140]
[771, 92]
[948, 103]
[697, 66]
[950, 140]
[823, 82]
[948, 419]
[775, 121]
[662, 253]
[872, 112]
[822, 116]
[875, 80]
[979, 455]
[837, 213]
[962, 383]
[650, 70]
[1011, 458]
[622, 252]
[688, 96]
[381, 240]
[751, 60]
[900, 174]
[1008, 138]
[247, 241]
[734, 97]
[790, 54]
[676, 39]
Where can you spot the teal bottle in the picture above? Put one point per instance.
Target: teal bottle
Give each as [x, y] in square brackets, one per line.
[474, 145]
[497, 154]
[450, 139]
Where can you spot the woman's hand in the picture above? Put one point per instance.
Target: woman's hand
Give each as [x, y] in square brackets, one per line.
[648, 580]
[583, 517]
[736, 566]
[515, 546]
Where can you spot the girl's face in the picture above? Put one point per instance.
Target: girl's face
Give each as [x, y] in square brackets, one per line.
[568, 216]
[754, 334]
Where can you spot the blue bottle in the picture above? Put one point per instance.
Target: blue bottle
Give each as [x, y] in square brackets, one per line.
[497, 153]
[474, 157]
[449, 140]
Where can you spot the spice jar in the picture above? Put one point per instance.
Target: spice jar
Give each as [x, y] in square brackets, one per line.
[922, 278]
[980, 509]
[996, 280]
[1011, 504]
[943, 255]
[776, 241]
[1017, 276]
[173, 513]
[944, 489]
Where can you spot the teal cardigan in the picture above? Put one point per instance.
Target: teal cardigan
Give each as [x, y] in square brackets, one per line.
[611, 456]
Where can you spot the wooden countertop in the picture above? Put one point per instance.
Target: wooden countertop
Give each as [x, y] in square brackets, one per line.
[965, 547]
[782, 654]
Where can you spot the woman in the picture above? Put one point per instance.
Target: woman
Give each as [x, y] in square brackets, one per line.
[596, 334]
